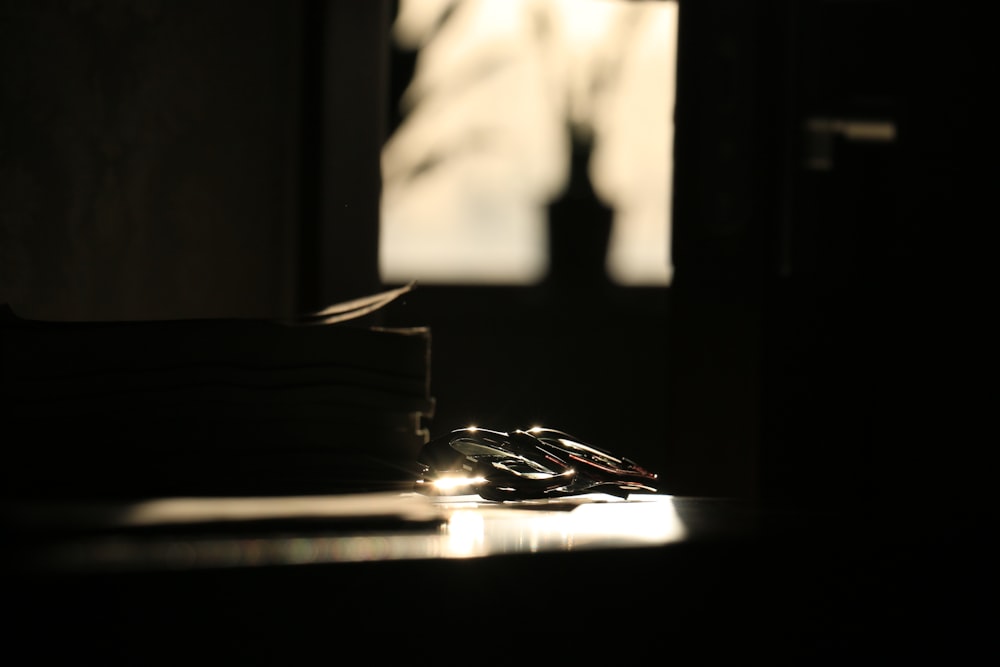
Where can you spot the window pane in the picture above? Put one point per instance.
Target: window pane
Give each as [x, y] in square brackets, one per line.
[501, 90]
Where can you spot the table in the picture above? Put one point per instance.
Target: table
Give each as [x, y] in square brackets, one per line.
[307, 577]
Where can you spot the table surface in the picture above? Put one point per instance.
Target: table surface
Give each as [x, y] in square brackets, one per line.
[207, 533]
[281, 572]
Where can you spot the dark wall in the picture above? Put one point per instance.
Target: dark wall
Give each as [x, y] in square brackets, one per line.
[188, 159]
[215, 159]
[148, 152]
[819, 315]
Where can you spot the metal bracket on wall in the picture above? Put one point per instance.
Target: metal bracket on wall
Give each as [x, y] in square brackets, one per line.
[819, 134]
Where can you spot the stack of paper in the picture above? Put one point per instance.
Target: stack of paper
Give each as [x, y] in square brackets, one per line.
[221, 407]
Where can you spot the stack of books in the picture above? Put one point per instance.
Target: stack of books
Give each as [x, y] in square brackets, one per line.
[224, 407]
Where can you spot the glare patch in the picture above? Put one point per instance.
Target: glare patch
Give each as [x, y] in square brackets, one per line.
[593, 521]
[466, 534]
[449, 484]
[654, 521]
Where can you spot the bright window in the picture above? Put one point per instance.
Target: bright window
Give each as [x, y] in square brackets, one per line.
[500, 91]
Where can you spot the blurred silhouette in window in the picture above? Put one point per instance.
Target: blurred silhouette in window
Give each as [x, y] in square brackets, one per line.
[508, 101]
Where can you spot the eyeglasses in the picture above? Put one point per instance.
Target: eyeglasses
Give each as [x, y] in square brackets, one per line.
[522, 465]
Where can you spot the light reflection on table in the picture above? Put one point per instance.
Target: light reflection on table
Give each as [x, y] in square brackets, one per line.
[417, 527]
[476, 529]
